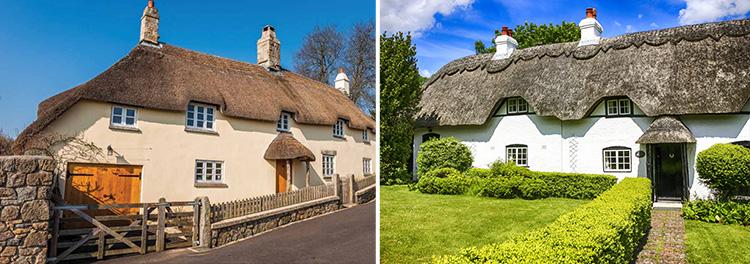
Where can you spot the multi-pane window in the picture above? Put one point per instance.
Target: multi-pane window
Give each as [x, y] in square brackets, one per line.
[123, 116]
[200, 116]
[209, 171]
[366, 135]
[517, 106]
[367, 166]
[338, 128]
[518, 154]
[329, 165]
[283, 123]
[616, 159]
[617, 107]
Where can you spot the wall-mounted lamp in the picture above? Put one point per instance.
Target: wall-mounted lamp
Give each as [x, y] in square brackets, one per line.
[110, 150]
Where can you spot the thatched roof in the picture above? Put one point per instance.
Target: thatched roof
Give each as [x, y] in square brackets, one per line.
[285, 146]
[696, 69]
[169, 77]
[666, 129]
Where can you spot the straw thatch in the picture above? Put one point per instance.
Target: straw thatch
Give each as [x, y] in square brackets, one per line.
[169, 77]
[697, 69]
[285, 147]
[666, 129]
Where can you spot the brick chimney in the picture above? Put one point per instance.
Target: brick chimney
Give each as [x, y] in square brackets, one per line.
[342, 82]
[591, 30]
[150, 24]
[505, 44]
[269, 49]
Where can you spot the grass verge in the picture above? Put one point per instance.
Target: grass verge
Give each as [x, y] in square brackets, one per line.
[717, 243]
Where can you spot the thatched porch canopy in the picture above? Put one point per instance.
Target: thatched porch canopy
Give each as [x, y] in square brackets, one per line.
[286, 147]
[666, 129]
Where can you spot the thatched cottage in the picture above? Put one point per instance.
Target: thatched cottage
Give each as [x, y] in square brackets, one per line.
[169, 122]
[637, 105]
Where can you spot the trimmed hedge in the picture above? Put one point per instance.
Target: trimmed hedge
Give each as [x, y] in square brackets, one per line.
[478, 173]
[725, 212]
[725, 168]
[606, 230]
[445, 152]
[576, 185]
[443, 181]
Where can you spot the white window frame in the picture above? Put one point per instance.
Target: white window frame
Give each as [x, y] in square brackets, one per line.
[517, 105]
[123, 116]
[518, 154]
[329, 165]
[208, 124]
[618, 107]
[338, 128]
[367, 166]
[283, 123]
[201, 171]
[617, 159]
[366, 134]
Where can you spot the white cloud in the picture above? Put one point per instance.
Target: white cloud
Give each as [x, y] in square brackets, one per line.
[653, 24]
[425, 73]
[617, 24]
[640, 16]
[415, 16]
[699, 11]
[628, 28]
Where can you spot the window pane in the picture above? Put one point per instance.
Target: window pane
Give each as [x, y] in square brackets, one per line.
[117, 111]
[191, 108]
[130, 121]
[209, 124]
[131, 112]
[117, 119]
[210, 110]
[190, 122]
[200, 116]
[199, 124]
[201, 109]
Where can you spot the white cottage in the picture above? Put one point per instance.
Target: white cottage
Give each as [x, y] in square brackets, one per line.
[637, 105]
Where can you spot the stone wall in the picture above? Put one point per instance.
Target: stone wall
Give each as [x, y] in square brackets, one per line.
[232, 230]
[365, 195]
[25, 192]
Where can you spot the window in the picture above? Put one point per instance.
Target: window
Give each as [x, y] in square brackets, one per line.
[329, 165]
[366, 135]
[518, 154]
[123, 116]
[429, 136]
[200, 116]
[209, 171]
[616, 159]
[619, 107]
[338, 128]
[367, 166]
[283, 123]
[517, 106]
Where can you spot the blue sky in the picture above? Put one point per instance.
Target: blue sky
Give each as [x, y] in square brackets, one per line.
[446, 30]
[51, 46]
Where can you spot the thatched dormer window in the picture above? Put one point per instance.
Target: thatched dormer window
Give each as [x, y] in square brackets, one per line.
[124, 117]
[200, 117]
[619, 107]
[366, 134]
[517, 105]
[282, 124]
[338, 128]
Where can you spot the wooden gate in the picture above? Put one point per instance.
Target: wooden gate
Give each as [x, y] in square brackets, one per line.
[146, 227]
[104, 184]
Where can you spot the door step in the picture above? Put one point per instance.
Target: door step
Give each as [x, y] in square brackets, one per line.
[668, 205]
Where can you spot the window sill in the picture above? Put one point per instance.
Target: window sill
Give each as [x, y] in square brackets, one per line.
[203, 131]
[124, 128]
[284, 130]
[211, 185]
[339, 137]
[623, 171]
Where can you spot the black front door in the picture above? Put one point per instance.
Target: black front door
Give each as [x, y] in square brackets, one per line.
[668, 171]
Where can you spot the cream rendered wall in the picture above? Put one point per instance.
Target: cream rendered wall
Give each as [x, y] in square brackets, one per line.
[168, 153]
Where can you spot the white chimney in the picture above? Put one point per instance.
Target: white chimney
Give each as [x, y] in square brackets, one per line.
[150, 24]
[591, 30]
[342, 82]
[505, 44]
[269, 48]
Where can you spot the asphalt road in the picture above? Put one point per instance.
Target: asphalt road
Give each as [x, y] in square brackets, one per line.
[346, 236]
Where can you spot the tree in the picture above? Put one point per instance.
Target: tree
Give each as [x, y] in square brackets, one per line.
[320, 54]
[360, 65]
[400, 91]
[530, 34]
[6, 142]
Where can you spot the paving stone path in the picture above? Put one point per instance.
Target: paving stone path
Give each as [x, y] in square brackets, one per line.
[666, 240]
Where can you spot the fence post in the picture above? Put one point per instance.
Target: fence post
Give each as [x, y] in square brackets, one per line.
[205, 223]
[196, 220]
[161, 225]
[337, 188]
[351, 189]
[144, 230]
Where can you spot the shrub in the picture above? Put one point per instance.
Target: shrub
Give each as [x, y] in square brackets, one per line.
[576, 185]
[725, 168]
[725, 212]
[531, 188]
[505, 187]
[478, 173]
[606, 230]
[443, 181]
[443, 153]
[508, 169]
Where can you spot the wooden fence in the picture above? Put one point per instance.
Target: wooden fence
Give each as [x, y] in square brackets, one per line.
[365, 182]
[237, 208]
[96, 231]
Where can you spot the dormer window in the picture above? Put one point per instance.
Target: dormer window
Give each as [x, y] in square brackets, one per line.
[517, 106]
[366, 134]
[283, 123]
[619, 107]
[200, 117]
[123, 117]
[338, 128]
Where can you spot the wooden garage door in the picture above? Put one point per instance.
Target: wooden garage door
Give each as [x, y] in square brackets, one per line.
[103, 184]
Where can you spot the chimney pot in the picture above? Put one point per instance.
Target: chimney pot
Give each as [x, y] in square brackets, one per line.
[591, 29]
[510, 32]
[151, 3]
[505, 44]
[504, 31]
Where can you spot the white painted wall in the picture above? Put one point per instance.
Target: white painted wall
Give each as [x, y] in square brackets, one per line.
[551, 141]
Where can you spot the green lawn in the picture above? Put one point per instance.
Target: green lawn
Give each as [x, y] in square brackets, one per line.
[717, 243]
[415, 226]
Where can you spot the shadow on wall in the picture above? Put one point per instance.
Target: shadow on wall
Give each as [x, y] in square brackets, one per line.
[724, 126]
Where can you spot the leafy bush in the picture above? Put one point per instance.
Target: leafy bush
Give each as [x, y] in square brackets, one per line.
[606, 230]
[725, 168]
[478, 173]
[725, 212]
[505, 187]
[443, 153]
[576, 185]
[532, 188]
[508, 169]
[443, 181]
